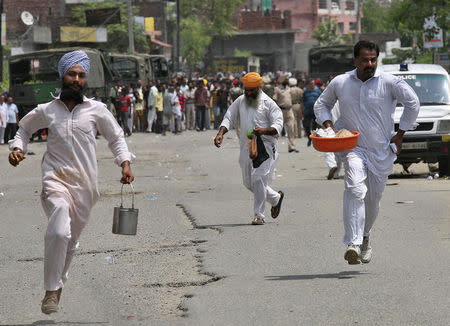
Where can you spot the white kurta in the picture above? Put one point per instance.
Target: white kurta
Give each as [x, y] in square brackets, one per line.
[367, 107]
[151, 116]
[266, 115]
[4, 122]
[69, 170]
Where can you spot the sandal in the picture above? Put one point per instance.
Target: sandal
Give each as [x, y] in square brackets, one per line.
[275, 210]
[258, 221]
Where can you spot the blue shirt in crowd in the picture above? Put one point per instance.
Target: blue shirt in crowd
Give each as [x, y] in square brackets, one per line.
[309, 98]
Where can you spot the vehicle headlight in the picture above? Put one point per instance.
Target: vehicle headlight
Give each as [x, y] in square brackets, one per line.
[443, 127]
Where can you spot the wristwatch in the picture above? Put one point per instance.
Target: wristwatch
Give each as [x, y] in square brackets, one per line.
[17, 150]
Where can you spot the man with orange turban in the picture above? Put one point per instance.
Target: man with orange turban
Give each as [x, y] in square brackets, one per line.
[256, 111]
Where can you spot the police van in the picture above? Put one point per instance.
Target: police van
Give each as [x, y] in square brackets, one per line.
[430, 141]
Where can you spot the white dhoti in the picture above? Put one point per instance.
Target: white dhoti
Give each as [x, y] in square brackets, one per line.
[362, 196]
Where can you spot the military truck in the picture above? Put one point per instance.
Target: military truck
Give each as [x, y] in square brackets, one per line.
[158, 67]
[130, 68]
[34, 77]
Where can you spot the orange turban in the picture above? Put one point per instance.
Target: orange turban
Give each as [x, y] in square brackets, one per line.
[252, 80]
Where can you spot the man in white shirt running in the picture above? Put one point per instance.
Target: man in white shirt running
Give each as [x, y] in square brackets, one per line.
[69, 166]
[256, 111]
[367, 100]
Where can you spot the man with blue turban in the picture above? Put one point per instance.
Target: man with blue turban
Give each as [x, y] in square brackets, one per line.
[69, 166]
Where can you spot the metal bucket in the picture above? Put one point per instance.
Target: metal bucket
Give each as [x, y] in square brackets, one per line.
[125, 219]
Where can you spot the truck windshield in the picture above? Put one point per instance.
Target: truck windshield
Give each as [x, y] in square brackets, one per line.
[35, 70]
[431, 89]
[160, 69]
[127, 68]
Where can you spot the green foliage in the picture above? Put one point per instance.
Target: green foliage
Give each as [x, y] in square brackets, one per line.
[326, 34]
[216, 15]
[117, 33]
[195, 41]
[411, 13]
[201, 20]
[243, 53]
[373, 20]
[426, 57]
[4, 84]
[407, 17]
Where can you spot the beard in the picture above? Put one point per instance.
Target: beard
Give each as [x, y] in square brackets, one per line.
[253, 99]
[369, 72]
[71, 94]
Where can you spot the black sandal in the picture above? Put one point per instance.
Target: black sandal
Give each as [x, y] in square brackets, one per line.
[275, 210]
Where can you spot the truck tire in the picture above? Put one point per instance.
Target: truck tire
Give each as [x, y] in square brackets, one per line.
[444, 167]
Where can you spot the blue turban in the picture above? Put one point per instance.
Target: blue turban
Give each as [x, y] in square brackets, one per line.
[71, 59]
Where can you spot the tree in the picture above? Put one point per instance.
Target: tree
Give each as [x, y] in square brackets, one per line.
[326, 33]
[205, 19]
[195, 42]
[407, 17]
[374, 15]
[117, 33]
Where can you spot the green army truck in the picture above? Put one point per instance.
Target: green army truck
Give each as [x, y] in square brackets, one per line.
[34, 77]
[157, 66]
[130, 68]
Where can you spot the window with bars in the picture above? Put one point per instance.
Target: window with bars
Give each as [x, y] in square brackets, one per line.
[349, 5]
[323, 4]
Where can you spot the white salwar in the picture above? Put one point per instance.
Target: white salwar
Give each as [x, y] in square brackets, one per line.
[367, 107]
[151, 117]
[3, 122]
[266, 115]
[69, 173]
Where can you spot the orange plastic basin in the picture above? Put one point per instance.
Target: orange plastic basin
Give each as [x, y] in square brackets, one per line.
[324, 144]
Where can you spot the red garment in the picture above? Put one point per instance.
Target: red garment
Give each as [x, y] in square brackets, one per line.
[182, 100]
[125, 103]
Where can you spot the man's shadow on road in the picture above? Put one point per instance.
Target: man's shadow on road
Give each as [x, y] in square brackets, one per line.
[340, 275]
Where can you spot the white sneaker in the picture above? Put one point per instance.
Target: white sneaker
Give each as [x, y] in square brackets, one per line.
[352, 254]
[366, 251]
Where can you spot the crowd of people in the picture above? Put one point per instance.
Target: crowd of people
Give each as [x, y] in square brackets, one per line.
[200, 104]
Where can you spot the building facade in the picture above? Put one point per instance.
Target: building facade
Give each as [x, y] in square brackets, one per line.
[48, 16]
[308, 14]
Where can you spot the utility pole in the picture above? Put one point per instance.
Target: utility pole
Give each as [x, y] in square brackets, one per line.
[358, 18]
[177, 54]
[130, 28]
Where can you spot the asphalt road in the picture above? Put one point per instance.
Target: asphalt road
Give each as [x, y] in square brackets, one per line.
[197, 261]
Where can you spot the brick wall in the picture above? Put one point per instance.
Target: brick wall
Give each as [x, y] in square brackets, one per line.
[46, 11]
